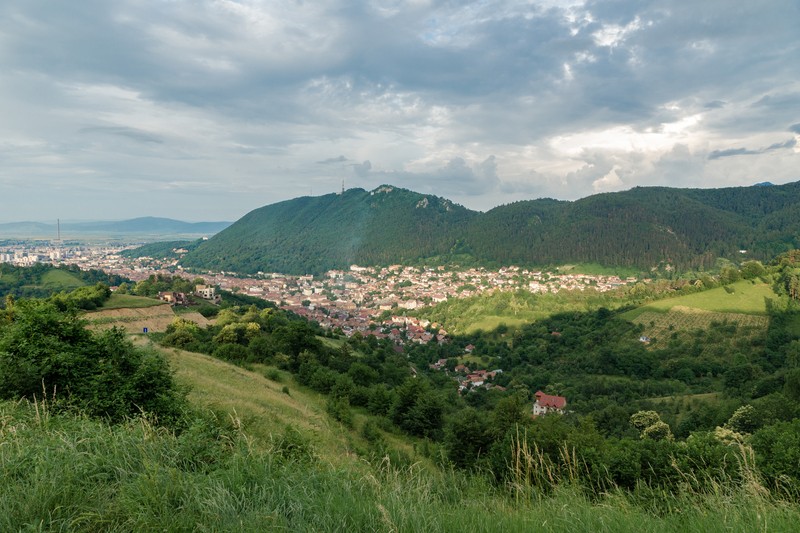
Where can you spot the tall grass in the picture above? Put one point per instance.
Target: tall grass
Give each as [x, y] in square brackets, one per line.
[63, 472]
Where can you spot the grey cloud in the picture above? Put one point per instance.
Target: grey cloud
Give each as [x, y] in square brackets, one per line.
[331, 160]
[791, 143]
[221, 92]
[718, 154]
[362, 170]
[779, 100]
[121, 131]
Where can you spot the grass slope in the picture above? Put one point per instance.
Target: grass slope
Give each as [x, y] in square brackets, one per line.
[124, 301]
[61, 280]
[488, 311]
[746, 298]
[257, 400]
[63, 472]
[260, 404]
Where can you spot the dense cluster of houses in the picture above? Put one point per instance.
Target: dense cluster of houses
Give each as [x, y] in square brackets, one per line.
[359, 298]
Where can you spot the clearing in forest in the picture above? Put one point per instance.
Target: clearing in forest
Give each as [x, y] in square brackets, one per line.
[743, 297]
[742, 304]
[155, 318]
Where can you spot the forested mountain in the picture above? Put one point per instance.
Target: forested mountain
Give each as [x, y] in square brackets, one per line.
[641, 227]
[169, 249]
[314, 234]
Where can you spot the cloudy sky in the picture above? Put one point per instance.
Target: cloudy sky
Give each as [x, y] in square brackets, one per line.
[207, 109]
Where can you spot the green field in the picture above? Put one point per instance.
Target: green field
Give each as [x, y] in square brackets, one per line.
[597, 270]
[513, 309]
[742, 309]
[489, 323]
[121, 301]
[745, 298]
[61, 279]
[661, 325]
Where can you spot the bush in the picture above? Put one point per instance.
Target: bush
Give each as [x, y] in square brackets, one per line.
[371, 432]
[103, 374]
[293, 446]
[339, 409]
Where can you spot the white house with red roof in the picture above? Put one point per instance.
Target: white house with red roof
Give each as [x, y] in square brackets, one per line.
[546, 403]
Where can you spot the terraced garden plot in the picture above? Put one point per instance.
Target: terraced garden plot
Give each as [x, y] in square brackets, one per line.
[134, 320]
[660, 326]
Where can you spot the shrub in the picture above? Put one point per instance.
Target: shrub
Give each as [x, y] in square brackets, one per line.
[103, 374]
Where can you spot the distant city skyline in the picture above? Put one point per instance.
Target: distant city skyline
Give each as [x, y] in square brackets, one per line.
[206, 110]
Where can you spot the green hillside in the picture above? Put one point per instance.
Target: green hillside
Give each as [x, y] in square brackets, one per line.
[314, 234]
[42, 280]
[639, 228]
[161, 249]
[744, 297]
[282, 426]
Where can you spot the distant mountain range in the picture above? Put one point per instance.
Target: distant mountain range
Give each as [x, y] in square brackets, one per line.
[642, 227]
[143, 226]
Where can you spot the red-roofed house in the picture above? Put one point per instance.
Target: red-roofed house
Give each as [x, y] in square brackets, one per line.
[548, 404]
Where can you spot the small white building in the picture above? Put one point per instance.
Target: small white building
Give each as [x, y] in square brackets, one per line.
[207, 292]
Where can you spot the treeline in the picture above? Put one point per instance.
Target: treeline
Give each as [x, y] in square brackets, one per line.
[42, 280]
[155, 284]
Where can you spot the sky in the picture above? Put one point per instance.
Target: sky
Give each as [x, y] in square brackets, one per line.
[207, 109]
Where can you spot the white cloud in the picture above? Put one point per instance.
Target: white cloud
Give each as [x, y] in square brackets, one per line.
[609, 182]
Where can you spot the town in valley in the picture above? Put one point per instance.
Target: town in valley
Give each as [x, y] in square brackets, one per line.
[377, 301]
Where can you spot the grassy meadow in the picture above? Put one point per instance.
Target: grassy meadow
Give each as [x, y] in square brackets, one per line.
[512, 309]
[61, 280]
[743, 297]
[127, 301]
[258, 403]
[65, 472]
